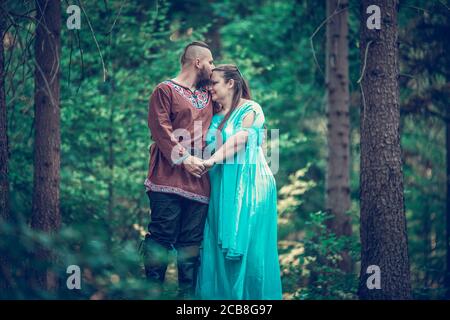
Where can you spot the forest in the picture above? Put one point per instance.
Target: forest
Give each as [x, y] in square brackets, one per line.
[359, 92]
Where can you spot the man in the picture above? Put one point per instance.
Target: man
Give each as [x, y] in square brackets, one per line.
[178, 192]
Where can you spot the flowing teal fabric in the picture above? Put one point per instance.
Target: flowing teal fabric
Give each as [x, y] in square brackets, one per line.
[239, 255]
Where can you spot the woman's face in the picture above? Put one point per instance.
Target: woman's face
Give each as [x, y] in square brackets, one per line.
[219, 89]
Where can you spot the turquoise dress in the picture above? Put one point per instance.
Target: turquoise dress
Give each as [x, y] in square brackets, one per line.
[239, 255]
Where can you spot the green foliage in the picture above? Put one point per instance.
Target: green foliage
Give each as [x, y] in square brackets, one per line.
[311, 265]
[310, 260]
[320, 262]
[109, 271]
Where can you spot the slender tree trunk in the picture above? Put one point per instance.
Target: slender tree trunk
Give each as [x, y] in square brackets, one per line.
[111, 163]
[110, 90]
[4, 208]
[383, 223]
[426, 230]
[338, 134]
[447, 220]
[4, 188]
[45, 212]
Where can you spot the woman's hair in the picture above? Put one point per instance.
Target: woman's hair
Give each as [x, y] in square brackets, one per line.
[241, 88]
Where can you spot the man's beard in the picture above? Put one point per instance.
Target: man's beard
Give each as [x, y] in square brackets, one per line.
[203, 78]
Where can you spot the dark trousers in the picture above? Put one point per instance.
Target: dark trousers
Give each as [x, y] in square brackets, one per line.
[176, 223]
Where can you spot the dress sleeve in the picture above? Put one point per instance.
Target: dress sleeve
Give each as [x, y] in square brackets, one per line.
[255, 131]
[161, 126]
[258, 122]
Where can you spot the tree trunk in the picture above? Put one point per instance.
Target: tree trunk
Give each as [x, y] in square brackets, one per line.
[383, 224]
[338, 134]
[4, 189]
[426, 231]
[45, 212]
[447, 216]
[4, 208]
[111, 164]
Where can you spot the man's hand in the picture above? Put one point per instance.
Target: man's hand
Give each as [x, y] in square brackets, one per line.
[194, 166]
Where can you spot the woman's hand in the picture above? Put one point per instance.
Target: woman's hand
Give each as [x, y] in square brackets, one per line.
[208, 164]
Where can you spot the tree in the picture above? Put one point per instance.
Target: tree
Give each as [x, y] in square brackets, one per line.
[383, 224]
[45, 212]
[338, 98]
[4, 210]
[447, 216]
[4, 188]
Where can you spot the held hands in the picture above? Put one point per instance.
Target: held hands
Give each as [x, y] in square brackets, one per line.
[208, 164]
[196, 166]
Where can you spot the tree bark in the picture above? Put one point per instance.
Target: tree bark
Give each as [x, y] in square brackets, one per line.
[447, 215]
[45, 212]
[383, 224]
[426, 230]
[4, 186]
[338, 133]
[4, 207]
[111, 165]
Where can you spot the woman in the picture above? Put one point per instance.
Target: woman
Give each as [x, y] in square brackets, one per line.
[239, 258]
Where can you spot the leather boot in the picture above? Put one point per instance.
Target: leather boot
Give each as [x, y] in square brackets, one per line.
[155, 262]
[187, 276]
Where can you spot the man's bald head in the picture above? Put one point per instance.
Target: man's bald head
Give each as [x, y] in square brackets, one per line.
[194, 50]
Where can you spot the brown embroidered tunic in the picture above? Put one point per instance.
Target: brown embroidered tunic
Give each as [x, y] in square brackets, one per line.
[173, 108]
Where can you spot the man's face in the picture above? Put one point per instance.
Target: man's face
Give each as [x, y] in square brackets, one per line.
[206, 64]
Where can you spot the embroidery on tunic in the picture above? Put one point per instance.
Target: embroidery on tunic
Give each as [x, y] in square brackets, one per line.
[198, 99]
[149, 186]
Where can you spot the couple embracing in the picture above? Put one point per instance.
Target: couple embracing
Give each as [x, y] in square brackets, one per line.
[217, 209]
